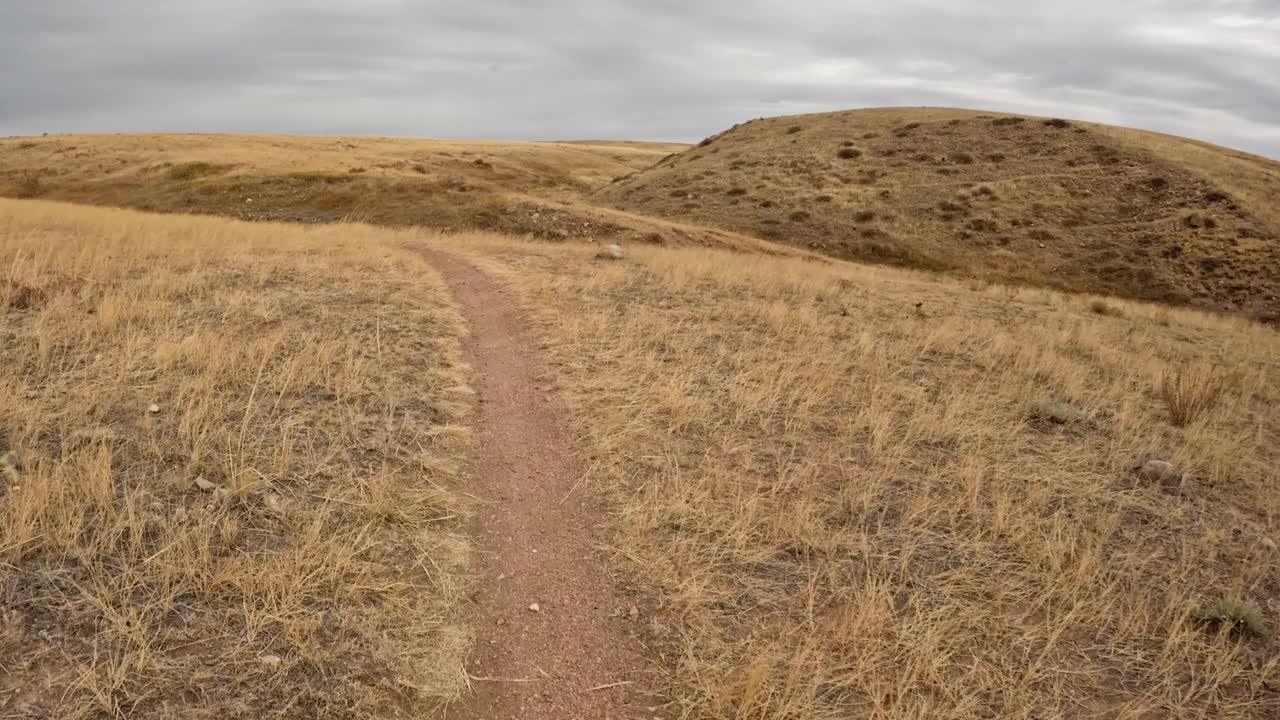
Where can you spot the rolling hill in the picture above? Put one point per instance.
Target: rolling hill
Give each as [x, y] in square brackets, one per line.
[238, 460]
[523, 188]
[1039, 201]
[1044, 201]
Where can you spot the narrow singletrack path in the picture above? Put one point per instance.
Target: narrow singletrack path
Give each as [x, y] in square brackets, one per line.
[574, 657]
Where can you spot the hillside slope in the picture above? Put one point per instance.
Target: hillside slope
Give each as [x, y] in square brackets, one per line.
[1044, 201]
[527, 188]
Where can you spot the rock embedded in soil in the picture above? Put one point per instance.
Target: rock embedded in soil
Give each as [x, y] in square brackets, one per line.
[1162, 474]
[610, 252]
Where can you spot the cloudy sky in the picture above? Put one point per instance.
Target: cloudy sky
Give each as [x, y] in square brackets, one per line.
[636, 69]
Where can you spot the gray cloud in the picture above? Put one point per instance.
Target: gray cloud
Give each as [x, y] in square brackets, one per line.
[659, 69]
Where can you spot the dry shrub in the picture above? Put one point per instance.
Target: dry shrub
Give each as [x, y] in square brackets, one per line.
[194, 170]
[20, 296]
[1235, 612]
[1189, 392]
[29, 186]
[1098, 306]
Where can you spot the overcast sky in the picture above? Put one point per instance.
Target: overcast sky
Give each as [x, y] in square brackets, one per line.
[634, 69]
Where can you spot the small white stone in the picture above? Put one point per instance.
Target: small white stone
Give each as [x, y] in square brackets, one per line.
[270, 660]
[535, 608]
[204, 485]
[610, 252]
[153, 409]
[274, 503]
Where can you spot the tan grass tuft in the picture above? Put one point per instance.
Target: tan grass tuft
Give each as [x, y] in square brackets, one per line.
[1189, 392]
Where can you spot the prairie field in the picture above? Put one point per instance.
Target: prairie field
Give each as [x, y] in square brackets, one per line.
[237, 453]
[858, 492]
[223, 449]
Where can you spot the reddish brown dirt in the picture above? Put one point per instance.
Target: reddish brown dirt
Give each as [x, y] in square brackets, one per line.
[536, 527]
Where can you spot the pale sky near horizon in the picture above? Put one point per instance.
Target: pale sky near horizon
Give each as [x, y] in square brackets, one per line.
[654, 70]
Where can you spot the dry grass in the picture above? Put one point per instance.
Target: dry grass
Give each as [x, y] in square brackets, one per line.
[537, 189]
[1046, 202]
[524, 188]
[1190, 392]
[1251, 178]
[271, 538]
[828, 478]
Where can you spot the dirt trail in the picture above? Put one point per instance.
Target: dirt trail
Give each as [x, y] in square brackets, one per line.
[575, 657]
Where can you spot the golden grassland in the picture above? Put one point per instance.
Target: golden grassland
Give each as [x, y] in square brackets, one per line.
[525, 188]
[222, 449]
[1040, 201]
[858, 492]
[840, 491]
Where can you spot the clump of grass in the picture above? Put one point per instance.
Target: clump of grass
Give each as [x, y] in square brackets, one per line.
[849, 153]
[1054, 411]
[30, 186]
[193, 170]
[20, 296]
[794, 129]
[1235, 611]
[1189, 392]
[1099, 306]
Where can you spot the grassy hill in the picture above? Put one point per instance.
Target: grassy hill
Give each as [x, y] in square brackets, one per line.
[1043, 201]
[524, 188]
